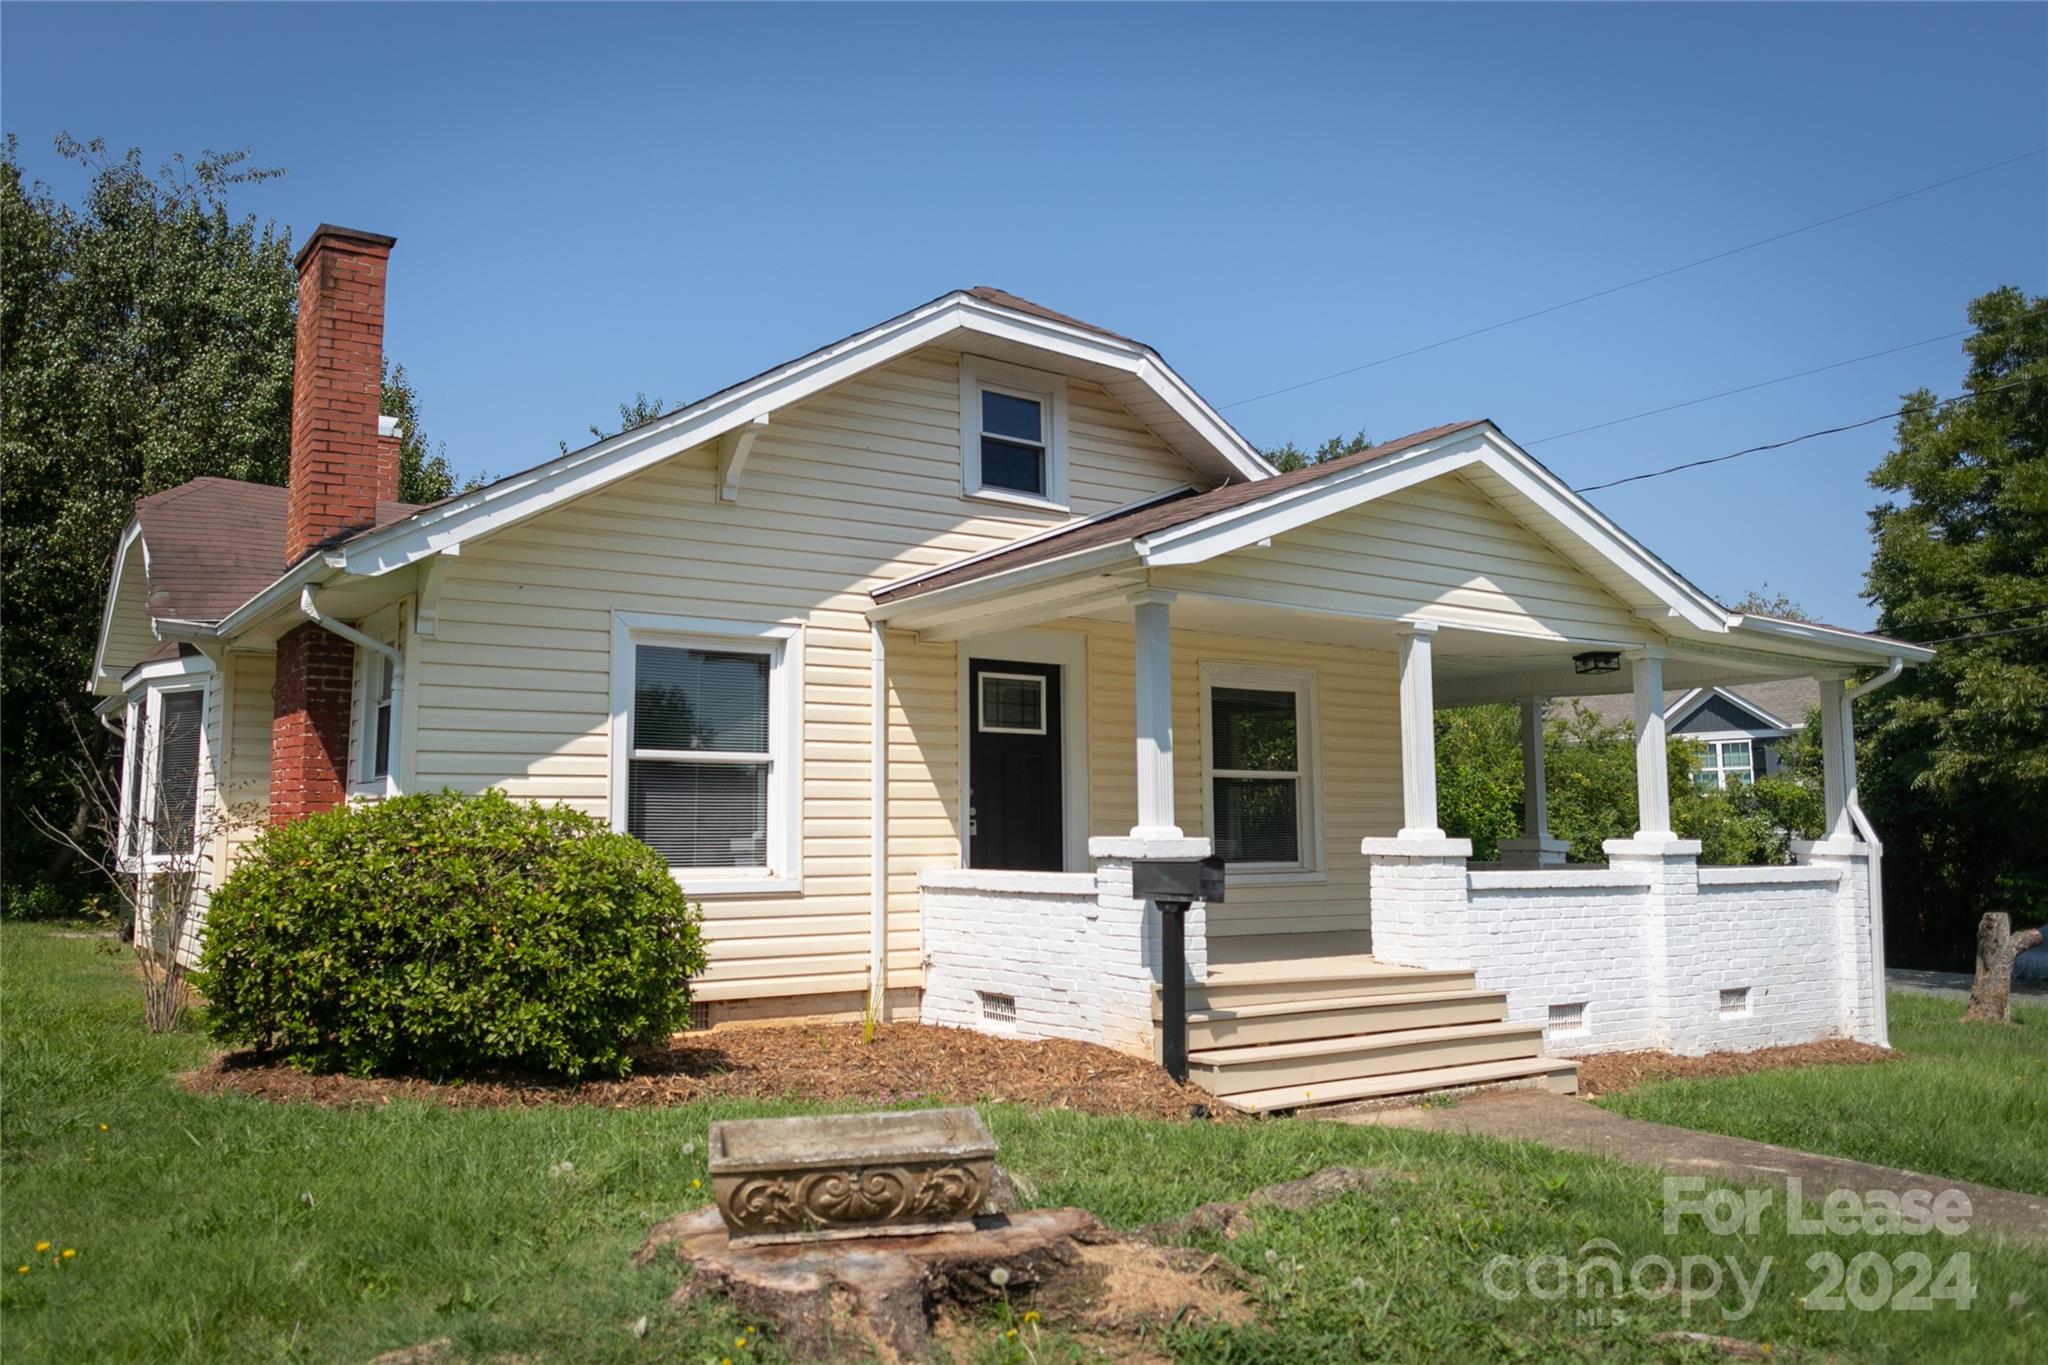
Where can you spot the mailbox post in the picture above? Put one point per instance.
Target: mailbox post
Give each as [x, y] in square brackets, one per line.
[1172, 884]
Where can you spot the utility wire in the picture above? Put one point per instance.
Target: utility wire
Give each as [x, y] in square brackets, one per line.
[1977, 616]
[1984, 635]
[1809, 436]
[1631, 284]
[1746, 388]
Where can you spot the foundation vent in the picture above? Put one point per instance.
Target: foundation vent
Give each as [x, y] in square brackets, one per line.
[998, 1009]
[1734, 1002]
[1568, 1020]
[700, 1014]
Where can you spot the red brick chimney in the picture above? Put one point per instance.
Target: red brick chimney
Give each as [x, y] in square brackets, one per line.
[342, 466]
[339, 469]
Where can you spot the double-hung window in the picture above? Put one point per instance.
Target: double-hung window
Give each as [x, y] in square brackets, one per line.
[378, 697]
[1013, 433]
[1258, 751]
[1725, 761]
[160, 799]
[706, 776]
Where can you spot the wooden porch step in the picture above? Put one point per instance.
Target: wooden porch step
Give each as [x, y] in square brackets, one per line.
[1279, 984]
[1341, 1016]
[1557, 1074]
[1317, 1061]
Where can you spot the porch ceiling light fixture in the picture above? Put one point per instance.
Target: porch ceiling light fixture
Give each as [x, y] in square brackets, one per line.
[1597, 661]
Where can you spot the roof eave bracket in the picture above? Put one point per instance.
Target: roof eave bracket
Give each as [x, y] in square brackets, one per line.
[733, 449]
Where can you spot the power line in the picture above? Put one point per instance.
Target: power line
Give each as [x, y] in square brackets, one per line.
[1746, 388]
[1976, 616]
[1631, 284]
[1795, 440]
[1985, 635]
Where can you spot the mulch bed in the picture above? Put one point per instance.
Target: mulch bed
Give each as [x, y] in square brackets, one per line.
[1610, 1073]
[905, 1062]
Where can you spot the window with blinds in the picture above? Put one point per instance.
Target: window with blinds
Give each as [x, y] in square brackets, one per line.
[176, 806]
[698, 783]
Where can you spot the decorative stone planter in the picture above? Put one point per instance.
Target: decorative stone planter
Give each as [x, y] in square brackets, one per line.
[850, 1175]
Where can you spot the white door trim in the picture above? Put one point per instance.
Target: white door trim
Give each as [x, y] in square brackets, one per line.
[1069, 651]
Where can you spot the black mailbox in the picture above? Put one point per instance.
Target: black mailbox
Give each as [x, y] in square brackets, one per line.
[1178, 879]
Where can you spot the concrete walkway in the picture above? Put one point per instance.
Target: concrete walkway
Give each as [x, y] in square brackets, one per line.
[1575, 1125]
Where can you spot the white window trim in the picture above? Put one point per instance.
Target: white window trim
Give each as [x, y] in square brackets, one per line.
[784, 645]
[978, 373]
[143, 724]
[1308, 773]
[1069, 650]
[361, 784]
[981, 703]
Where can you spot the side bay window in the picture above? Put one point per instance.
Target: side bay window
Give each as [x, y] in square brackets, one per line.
[160, 789]
[706, 772]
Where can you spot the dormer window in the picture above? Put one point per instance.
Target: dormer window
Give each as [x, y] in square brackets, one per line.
[1013, 427]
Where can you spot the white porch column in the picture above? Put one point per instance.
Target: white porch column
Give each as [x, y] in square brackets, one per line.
[878, 811]
[1653, 775]
[1418, 732]
[1155, 715]
[1837, 759]
[1535, 848]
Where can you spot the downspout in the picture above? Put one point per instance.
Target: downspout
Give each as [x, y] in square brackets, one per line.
[310, 609]
[1882, 1015]
[878, 809]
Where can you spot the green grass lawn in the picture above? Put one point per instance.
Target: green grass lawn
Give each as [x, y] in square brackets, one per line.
[237, 1230]
[1968, 1101]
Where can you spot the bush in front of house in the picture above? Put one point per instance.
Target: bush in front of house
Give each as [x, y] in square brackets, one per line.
[446, 935]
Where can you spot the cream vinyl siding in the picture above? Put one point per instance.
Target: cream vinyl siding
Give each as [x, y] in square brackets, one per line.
[1358, 757]
[129, 638]
[1442, 551]
[844, 491]
[245, 779]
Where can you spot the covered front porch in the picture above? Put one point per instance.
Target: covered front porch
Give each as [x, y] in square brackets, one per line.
[1269, 695]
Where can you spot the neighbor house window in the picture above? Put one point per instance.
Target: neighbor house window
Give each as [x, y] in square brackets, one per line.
[706, 775]
[1725, 761]
[1013, 433]
[1258, 757]
[160, 800]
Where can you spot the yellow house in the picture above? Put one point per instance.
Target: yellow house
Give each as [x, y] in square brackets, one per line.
[904, 652]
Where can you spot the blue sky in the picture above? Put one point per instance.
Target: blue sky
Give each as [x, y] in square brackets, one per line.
[592, 201]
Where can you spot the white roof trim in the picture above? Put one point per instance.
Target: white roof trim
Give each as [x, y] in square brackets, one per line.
[1835, 637]
[1692, 701]
[182, 666]
[513, 499]
[1483, 445]
[129, 536]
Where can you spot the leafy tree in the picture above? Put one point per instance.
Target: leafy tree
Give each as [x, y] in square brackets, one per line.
[1956, 773]
[637, 413]
[1479, 775]
[1763, 602]
[424, 474]
[146, 339]
[1290, 457]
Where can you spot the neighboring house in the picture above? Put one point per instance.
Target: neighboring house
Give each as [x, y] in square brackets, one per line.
[1740, 729]
[902, 652]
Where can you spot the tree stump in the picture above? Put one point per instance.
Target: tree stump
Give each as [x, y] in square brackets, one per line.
[882, 1295]
[1997, 946]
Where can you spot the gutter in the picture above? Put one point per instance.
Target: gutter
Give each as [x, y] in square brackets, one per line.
[309, 607]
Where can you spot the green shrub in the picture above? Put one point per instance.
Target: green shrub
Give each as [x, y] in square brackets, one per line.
[447, 934]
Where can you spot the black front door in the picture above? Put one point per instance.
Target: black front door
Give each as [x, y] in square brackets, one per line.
[1013, 766]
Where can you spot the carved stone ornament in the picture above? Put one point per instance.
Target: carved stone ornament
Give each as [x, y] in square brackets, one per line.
[850, 1175]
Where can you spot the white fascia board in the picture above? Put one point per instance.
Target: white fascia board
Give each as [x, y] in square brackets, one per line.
[580, 472]
[1094, 560]
[282, 592]
[99, 677]
[1480, 445]
[166, 668]
[1877, 647]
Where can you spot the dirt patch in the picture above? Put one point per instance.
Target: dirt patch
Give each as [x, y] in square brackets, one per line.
[905, 1062]
[1610, 1073]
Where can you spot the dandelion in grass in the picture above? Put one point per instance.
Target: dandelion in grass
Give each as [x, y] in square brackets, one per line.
[1272, 1256]
[103, 1128]
[21, 1270]
[70, 1253]
[1030, 1316]
[1358, 1284]
[42, 1247]
[696, 1184]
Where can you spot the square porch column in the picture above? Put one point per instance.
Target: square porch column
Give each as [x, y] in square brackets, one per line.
[1653, 768]
[1418, 731]
[1155, 714]
[1535, 848]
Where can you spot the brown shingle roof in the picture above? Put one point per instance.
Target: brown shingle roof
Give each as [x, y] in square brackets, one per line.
[1003, 298]
[215, 543]
[1157, 516]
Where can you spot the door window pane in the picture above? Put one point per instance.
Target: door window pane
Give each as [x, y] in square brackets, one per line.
[1012, 704]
